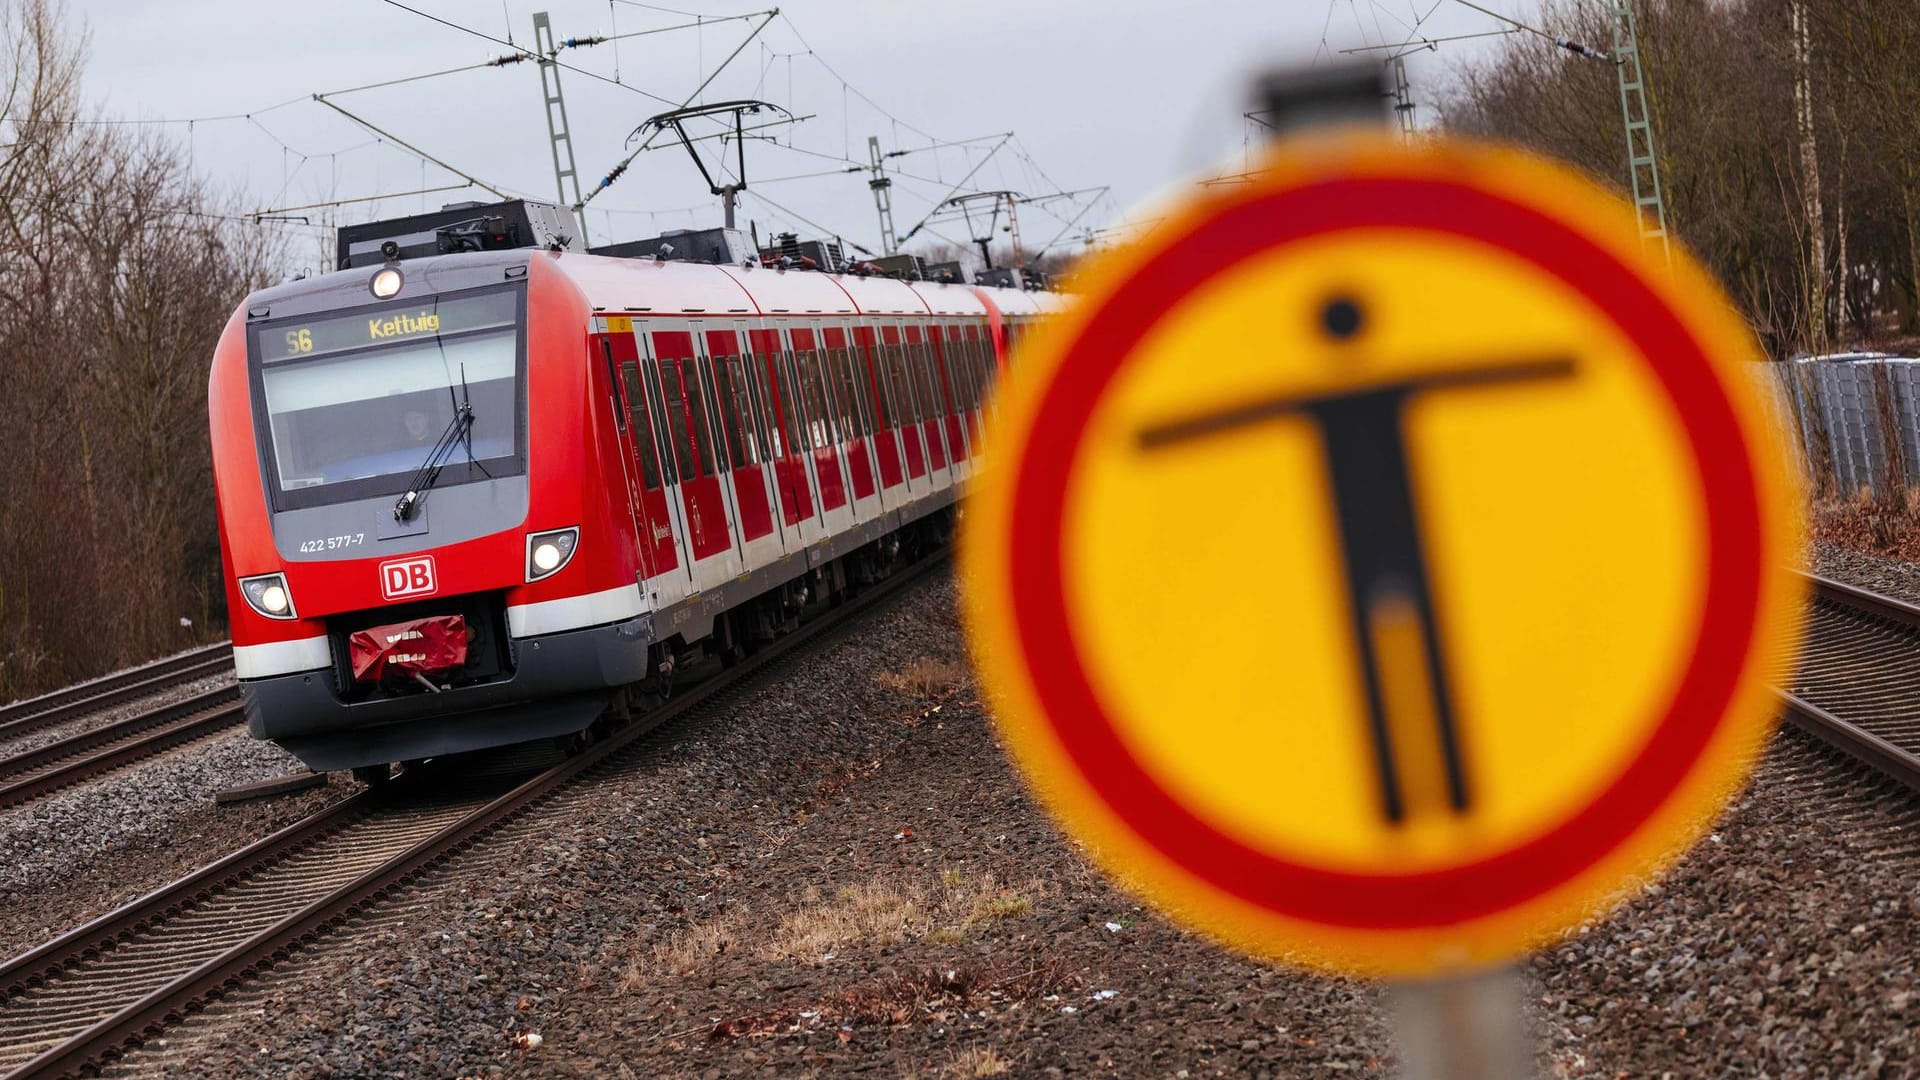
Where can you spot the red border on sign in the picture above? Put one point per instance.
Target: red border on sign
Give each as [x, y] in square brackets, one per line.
[1428, 898]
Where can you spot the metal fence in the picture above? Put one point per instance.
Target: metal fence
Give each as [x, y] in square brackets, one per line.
[1854, 424]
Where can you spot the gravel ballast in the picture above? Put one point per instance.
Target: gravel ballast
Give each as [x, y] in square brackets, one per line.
[840, 871]
[84, 851]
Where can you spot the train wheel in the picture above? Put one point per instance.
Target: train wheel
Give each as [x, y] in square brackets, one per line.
[376, 777]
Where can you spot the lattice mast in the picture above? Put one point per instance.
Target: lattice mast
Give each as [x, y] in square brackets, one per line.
[1643, 167]
[882, 186]
[559, 132]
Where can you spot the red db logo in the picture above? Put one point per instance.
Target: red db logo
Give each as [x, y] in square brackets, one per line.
[407, 577]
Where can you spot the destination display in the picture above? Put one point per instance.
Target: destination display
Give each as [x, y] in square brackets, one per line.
[319, 337]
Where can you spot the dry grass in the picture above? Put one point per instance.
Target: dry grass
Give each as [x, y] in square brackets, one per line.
[978, 1061]
[1887, 527]
[925, 677]
[924, 996]
[877, 912]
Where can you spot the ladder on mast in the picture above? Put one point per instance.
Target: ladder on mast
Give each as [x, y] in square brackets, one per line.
[1643, 171]
[559, 132]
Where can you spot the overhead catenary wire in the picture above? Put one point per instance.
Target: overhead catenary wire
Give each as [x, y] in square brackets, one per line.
[848, 87]
[529, 53]
[614, 173]
[700, 23]
[956, 187]
[295, 171]
[1559, 40]
[410, 147]
[133, 121]
[258, 214]
[1417, 44]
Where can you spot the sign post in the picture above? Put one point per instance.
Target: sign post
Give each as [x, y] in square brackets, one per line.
[1379, 566]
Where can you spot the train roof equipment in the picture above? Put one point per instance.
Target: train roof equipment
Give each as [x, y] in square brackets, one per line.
[719, 246]
[461, 226]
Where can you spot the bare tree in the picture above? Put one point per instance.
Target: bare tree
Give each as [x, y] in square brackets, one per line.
[118, 271]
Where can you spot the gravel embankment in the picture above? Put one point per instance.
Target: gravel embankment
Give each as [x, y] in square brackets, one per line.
[34, 740]
[842, 873]
[82, 852]
[1893, 577]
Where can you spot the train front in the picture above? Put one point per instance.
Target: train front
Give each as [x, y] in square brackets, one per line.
[417, 546]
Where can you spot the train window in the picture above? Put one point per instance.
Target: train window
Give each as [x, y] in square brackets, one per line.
[786, 430]
[700, 392]
[642, 427]
[733, 420]
[921, 359]
[677, 417]
[899, 389]
[869, 369]
[952, 401]
[748, 375]
[937, 395]
[976, 380]
[613, 385]
[806, 366]
[985, 362]
[853, 408]
[954, 349]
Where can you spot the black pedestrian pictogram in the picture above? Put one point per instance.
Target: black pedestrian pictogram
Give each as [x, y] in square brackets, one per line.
[1411, 714]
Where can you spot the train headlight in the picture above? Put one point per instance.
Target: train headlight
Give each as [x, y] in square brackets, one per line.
[547, 552]
[386, 283]
[267, 595]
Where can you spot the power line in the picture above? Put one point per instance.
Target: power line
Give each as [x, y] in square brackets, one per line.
[112, 122]
[524, 52]
[847, 86]
[416, 151]
[615, 172]
[258, 214]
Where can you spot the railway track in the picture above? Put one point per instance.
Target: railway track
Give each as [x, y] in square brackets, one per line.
[84, 699]
[86, 995]
[31, 774]
[1858, 682]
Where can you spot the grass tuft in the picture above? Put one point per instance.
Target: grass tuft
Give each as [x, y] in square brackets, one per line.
[925, 677]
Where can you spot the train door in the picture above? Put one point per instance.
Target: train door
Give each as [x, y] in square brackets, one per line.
[742, 442]
[820, 427]
[869, 364]
[709, 528]
[899, 390]
[920, 371]
[666, 514]
[979, 358]
[924, 360]
[846, 377]
[952, 386]
[792, 485]
[652, 517]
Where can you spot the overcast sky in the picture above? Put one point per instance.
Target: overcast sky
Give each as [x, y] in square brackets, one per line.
[1128, 94]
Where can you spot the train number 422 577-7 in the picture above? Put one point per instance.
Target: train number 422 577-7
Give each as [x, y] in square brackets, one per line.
[332, 543]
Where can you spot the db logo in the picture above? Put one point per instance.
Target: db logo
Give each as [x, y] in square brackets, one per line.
[407, 577]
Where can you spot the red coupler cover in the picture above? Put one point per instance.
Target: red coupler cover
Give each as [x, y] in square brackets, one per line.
[420, 646]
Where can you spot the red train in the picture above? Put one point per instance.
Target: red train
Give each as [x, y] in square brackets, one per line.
[468, 499]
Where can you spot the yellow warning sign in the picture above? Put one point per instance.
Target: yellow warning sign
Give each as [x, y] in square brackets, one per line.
[1379, 561]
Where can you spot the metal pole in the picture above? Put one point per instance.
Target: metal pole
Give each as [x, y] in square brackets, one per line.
[882, 195]
[1463, 1027]
[1403, 98]
[1643, 171]
[559, 132]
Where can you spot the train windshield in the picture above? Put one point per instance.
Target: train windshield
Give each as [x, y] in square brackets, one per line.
[354, 404]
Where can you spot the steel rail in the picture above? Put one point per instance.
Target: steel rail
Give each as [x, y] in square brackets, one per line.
[1857, 687]
[227, 908]
[30, 775]
[36, 714]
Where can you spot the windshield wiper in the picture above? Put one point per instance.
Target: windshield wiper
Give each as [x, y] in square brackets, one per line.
[459, 430]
